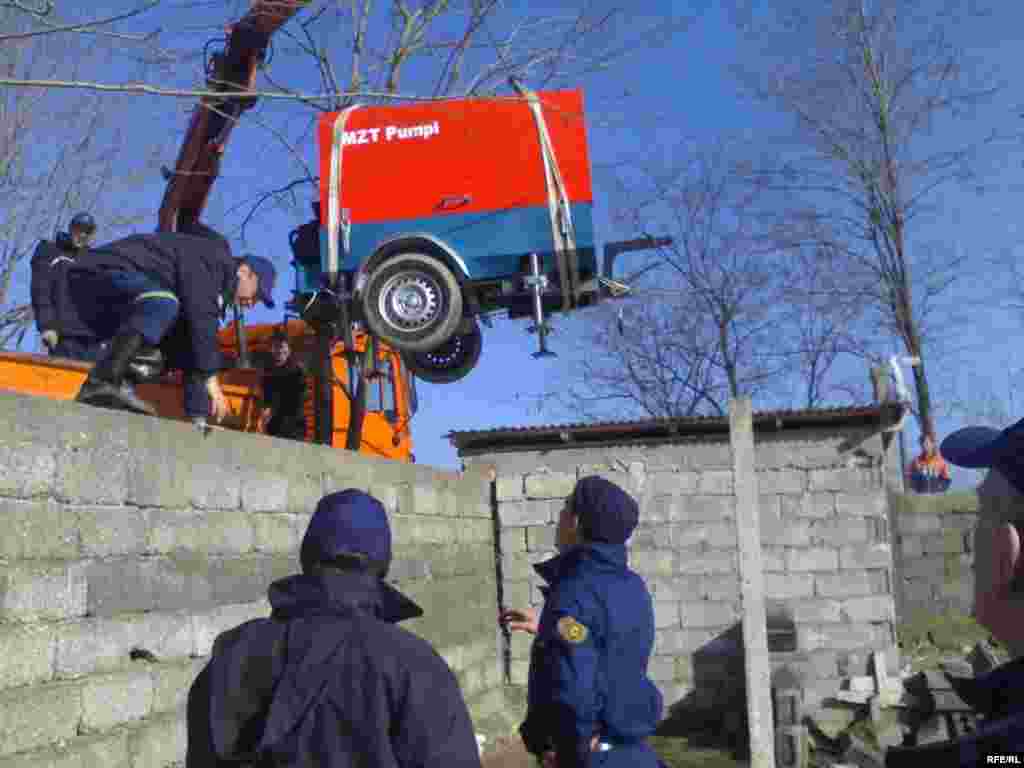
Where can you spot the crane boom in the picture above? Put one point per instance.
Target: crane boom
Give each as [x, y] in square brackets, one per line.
[231, 70]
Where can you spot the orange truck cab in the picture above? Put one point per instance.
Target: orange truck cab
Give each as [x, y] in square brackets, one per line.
[390, 403]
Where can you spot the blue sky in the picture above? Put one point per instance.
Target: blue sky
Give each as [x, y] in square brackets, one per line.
[649, 100]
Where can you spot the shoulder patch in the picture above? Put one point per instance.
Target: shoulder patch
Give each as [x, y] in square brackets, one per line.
[571, 630]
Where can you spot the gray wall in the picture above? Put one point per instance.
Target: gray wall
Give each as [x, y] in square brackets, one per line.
[824, 520]
[121, 531]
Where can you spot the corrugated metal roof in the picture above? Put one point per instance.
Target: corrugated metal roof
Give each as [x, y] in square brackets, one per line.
[607, 432]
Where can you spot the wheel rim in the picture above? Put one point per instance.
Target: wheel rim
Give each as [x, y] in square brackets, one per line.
[410, 301]
[448, 355]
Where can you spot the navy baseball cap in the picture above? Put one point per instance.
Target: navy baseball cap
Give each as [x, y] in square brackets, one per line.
[348, 522]
[985, 447]
[267, 275]
[605, 512]
[83, 221]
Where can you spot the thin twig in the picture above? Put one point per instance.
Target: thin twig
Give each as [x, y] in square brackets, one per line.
[83, 26]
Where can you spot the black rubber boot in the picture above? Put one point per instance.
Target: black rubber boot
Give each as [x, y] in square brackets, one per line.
[147, 365]
[107, 385]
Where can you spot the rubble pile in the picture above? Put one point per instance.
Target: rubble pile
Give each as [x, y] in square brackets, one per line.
[875, 712]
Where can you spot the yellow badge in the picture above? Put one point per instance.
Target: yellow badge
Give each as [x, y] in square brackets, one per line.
[571, 630]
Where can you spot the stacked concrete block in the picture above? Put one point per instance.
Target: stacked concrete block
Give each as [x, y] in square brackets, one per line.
[131, 543]
[824, 533]
[934, 540]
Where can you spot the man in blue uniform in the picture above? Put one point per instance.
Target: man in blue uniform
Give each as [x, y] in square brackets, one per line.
[169, 290]
[329, 680]
[588, 687]
[62, 331]
[998, 604]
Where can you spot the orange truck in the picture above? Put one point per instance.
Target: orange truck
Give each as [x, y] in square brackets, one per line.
[390, 399]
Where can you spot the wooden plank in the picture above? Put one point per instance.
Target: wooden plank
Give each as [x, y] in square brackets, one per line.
[755, 620]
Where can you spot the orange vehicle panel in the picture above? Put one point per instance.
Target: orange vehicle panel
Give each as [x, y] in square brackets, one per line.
[458, 156]
[60, 379]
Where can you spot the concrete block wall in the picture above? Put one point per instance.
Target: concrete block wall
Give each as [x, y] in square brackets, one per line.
[824, 530]
[123, 533]
[934, 542]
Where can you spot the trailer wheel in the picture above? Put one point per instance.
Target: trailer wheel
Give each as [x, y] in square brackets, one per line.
[413, 302]
[450, 362]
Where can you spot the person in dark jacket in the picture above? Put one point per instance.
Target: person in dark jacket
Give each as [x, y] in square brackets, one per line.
[588, 690]
[61, 330]
[167, 290]
[329, 680]
[284, 392]
[998, 695]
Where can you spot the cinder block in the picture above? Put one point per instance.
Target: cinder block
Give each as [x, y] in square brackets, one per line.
[693, 640]
[703, 614]
[725, 587]
[160, 741]
[653, 562]
[659, 510]
[211, 532]
[103, 645]
[668, 641]
[871, 504]
[782, 586]
[509, 487]
[540, 537]
[519, 672]
[809, 505]
[39, 716]
[674, 588]
[919, 523]
[42, 591]
[840, 531]
[836, 637]
[773, 559]
[513, 540]
[718, 535]
[207, 625]
[121, 585]
[712, 561]
[666, 615]
[934, 544]
[405, 570]
[650, 537]
[113, 700]
[812, 559]
[426, 500]
[661, 669]
[552, 485]
[785, 533]
[110, 531]
[27, 470]
[865, 556]
[279, 534]
[671, 483]
[865, 609]
[843, 584]
[26, 654]
[522, 513]
[304, 491]
[792, 481]
[814, 611]
[912, 545]
[703, 508]
[37, 529]
[846, 480]
[218, 487]
[715, 482]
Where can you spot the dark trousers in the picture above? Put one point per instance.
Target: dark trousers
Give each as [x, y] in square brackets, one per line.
[114, 301]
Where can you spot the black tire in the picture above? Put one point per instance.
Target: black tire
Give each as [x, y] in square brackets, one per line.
[435, 295]
[450, 362]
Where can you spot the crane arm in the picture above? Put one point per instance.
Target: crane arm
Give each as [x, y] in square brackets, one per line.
[230, 70]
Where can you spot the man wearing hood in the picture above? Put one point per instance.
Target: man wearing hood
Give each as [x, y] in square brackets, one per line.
[329, 680]
[588, 690]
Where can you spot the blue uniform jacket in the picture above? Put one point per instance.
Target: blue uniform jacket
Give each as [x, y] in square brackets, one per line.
[330, 681]
[588, 665]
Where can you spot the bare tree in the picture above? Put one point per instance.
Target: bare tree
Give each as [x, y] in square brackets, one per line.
[713, 328]
[865, 82]
[58, 154]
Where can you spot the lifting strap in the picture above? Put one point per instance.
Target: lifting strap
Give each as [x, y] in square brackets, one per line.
[334, 222]
[563, 232]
